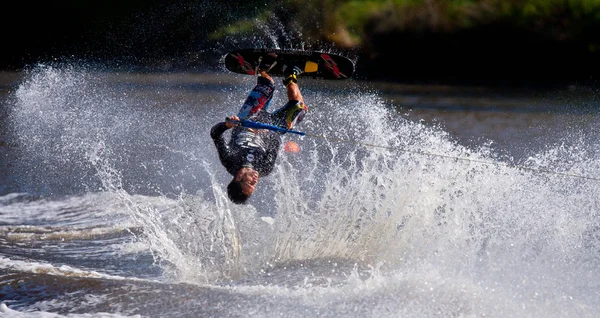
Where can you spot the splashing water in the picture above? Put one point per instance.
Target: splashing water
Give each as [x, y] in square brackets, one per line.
[433, 234]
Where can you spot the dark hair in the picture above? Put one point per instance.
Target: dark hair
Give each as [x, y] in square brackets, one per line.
[234, 192]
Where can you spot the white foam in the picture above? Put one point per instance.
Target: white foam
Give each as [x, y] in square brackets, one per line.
[63, 270]
[5, 311]
[267, 219]
[46, 233]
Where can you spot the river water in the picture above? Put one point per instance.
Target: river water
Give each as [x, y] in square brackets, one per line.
[404, 201]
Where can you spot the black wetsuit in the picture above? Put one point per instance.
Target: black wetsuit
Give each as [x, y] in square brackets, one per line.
[256, 149]
[247, 148]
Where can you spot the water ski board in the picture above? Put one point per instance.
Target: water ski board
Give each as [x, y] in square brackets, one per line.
[316, 64]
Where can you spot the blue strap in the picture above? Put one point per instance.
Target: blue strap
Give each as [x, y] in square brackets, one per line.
[253, 124]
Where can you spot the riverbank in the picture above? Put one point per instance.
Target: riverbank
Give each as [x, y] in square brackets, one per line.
[487, 42]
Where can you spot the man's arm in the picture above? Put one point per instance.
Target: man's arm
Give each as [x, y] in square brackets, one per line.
[216, 133]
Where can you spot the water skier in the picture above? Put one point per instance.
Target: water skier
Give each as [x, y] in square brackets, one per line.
[251, 153]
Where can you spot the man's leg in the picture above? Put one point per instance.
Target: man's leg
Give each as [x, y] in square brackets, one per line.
[259, 98]
[293, 112]
[293, 92]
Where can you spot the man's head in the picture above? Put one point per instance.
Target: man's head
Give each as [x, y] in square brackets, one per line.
[243, 185]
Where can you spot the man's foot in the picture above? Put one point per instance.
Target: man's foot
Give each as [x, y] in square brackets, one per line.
[290, 74]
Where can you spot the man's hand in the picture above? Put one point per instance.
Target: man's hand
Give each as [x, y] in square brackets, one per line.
[231, 121]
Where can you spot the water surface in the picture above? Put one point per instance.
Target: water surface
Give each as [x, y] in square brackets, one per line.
[406, 201]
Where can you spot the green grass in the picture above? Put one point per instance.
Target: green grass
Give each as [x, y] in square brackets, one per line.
[322, 19]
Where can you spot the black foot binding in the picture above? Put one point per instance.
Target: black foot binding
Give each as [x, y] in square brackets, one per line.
[290, 73]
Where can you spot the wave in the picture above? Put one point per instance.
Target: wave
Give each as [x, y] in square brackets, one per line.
[63, 270]
[41, 314]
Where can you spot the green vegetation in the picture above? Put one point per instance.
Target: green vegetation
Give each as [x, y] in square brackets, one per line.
[241, 27]
[344, 21]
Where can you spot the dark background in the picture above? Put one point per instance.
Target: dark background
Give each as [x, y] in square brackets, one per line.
[130, 31]
[155, 35]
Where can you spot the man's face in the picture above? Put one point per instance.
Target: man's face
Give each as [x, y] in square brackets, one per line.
[249, 179]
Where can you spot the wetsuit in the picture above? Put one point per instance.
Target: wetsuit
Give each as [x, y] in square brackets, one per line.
[247, 148]
[256, 148]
